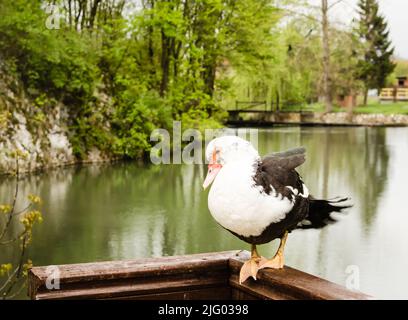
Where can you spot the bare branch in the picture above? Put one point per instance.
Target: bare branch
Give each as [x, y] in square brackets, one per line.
[19, 269]
[11, 213]
[334, 4]
[9, 280]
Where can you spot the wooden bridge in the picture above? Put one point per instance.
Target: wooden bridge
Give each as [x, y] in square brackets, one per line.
[259, 113]
[199, 276]
[264, 106]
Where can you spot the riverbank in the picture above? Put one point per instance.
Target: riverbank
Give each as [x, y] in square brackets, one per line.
[50, 147]
[316, 118]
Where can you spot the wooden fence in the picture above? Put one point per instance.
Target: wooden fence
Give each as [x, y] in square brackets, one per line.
[394, 94]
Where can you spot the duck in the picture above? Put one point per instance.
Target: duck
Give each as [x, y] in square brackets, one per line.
[260, 199]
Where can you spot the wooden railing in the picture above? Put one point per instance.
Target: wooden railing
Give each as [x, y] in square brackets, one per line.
[394, 94]
[264, 106]
[199, 276]
[387, 94]
[402, 94]
[248, 105]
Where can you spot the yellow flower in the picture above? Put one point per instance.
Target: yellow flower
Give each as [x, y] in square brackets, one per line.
[34, 199]
[5, 208]
[28, 265]
[5, 269]
[30, 218]
[19, 154]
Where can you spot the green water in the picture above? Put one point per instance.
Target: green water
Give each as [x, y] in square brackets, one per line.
[126, 210]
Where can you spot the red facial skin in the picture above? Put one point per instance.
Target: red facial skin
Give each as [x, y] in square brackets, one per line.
[213, 169]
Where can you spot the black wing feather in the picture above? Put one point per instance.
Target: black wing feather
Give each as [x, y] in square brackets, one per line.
[287, 153]
[278, 170]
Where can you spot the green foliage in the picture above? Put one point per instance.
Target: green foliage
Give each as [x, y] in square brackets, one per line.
[135, 118]
[401, 70]
[345, 72]
[88, 131]
[279, 77]
[375, 63]
[168, 61]
[124, 70]
[58, 63]
[157, 65]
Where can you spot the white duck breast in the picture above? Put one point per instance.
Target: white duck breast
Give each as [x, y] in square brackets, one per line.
[241, 206]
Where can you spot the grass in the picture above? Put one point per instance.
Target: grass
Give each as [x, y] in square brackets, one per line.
[370, 108]
[384, 108]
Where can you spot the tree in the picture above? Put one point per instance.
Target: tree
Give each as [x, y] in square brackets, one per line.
[345, 82]
[326, 51]
[375, 63]
[326, 57]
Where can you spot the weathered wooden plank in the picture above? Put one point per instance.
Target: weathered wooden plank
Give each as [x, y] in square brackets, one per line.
[259, 290]
[215, 293]
[132, 277]
[289, 283]
[134, 289]
[237, 294]
[199, 276]
[136, 268]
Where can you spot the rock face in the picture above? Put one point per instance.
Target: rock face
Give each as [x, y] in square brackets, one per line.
[44, 142]
[38, 130]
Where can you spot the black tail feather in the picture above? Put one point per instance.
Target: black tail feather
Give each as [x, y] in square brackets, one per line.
[320, 211]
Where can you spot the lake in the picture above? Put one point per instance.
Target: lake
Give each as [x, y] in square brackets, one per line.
[128, 210]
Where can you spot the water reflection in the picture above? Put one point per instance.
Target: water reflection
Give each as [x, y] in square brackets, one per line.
[125, 211]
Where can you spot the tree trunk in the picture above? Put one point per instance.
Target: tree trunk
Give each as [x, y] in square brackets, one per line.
[92, 14]
[78, 9]
[209, 77]
[351, 105]
[70, 13]
[165, 63]
[84, 14]
[326, 58]
[365, 96]
[176, 54]
[149, 5]
[150, 45]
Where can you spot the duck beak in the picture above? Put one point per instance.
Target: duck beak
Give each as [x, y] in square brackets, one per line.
[213, 170]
